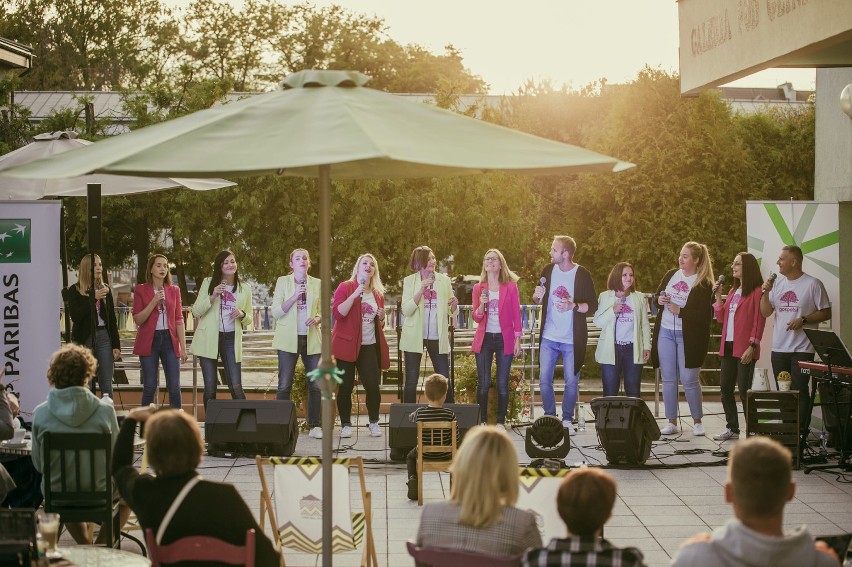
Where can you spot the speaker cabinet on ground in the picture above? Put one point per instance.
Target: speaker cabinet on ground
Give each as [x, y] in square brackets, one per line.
[250, 427]
[626, 428]
[403, 432]
[833, 398]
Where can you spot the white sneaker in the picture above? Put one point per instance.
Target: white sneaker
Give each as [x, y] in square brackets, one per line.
[698, 430]
[669, 429]
[316, 432]
[727, 434]
[501, 426]
[346, 431]
[375, 430]
[566, 424]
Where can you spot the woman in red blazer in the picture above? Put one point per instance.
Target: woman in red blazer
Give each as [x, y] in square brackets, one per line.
[497, 311]
[742, 330]
[158, 314]
[358, 340]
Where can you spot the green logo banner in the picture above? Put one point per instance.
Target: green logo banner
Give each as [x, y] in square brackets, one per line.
[15, 236]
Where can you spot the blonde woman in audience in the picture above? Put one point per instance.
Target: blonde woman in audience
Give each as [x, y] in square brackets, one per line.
[480, 516]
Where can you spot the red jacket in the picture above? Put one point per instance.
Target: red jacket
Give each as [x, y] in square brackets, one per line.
[510, 316]
[346, 333]
[748, 323]
[142, 296]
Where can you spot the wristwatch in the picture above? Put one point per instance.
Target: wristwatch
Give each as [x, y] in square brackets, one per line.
[752, 345]
[804, 320]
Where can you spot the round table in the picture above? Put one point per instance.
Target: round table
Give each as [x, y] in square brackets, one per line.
[95, 555]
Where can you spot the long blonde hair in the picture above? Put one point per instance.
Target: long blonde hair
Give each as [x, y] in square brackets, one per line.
[506, 275]
[375, 281]
[704, 269]
[84, 279]
[485, 476]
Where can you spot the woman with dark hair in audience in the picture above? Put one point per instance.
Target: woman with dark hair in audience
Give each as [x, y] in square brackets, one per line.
[625, 341]
[480, 516]
[105, 346]
[224, 308]
[427, 304]
[207, 508]
[742, 331]
[358, 340]
[160, 335]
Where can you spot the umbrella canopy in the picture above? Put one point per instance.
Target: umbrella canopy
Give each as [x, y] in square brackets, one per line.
[324, 124]
[46, 145]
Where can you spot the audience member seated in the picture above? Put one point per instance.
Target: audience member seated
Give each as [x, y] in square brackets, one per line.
[205, 508]
[759, 485]
[480, 516]
[72, 408]
[585, 500]
[435, 389]
[26, 491]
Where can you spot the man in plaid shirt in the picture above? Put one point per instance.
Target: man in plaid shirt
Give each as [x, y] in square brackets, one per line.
[585, 502]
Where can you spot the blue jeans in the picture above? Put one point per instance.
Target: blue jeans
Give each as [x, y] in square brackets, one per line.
[549, 352]
[162, 350]
[233, 370]
[624, 366]
[492, 348]
[286, 371]
[789, 361]
[440, 362]
[672, 361]
[106, 365]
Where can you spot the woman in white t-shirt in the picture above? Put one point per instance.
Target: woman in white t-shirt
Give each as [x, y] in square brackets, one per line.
[624, 345]
[682, 332]
[742, 330]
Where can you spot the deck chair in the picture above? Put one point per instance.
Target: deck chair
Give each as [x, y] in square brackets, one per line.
[77, 480]
[426, 557]
[537, 495]
[200, 548]
[434, 437]
[294, 507]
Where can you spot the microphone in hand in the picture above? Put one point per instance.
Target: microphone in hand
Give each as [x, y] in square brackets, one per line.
[719, 282]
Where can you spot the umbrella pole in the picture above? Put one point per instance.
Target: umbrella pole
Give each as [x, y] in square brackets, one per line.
[63, 257]
[326, 364]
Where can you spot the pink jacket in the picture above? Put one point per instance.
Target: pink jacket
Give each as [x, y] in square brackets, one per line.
[142, 296]
[510, 316]
[748, 323]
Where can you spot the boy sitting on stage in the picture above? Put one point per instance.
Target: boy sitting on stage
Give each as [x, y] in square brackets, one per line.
[435, 389]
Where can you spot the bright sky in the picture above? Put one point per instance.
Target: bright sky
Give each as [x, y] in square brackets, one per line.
[570, 42]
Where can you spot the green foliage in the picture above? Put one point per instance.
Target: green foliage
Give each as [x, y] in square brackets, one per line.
[520, 394]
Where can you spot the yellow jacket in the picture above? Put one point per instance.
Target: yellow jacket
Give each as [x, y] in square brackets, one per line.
[286, 324]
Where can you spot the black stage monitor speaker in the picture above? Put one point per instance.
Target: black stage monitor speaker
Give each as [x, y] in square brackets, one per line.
[833, 398]
[250, 427]
[626, 428]
[403, 432]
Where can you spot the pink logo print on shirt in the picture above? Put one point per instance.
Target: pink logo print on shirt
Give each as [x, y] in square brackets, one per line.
[430, 294]
[789, 297]
[681, 286]
[228, 297]
[493, 305]
[561, 297]
[367, 312]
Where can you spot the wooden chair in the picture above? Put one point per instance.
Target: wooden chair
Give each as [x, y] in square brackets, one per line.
[426, 557]
[432, 439]
[775, 414]
[294, 507]
[200, 548]
[77, 480]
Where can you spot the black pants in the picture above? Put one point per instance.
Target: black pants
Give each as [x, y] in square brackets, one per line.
[789, 361]
[734, 373]
[368, 372]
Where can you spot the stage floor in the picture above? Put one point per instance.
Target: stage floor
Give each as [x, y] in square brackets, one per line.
[657, 507]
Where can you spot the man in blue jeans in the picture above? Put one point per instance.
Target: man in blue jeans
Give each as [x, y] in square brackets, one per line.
[566, 294]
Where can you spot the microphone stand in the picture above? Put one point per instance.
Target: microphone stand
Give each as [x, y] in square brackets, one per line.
[399, 374]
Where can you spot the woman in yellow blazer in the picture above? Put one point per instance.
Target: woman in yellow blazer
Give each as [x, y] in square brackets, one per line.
[296, 310]
[427, 303]
[224, 308]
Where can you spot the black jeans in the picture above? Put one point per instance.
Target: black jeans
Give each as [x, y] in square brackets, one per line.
[368, 372]
[440, 362]
[734, 373]
[789, 361]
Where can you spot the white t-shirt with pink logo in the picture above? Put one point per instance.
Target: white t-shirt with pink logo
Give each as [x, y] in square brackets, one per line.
[430, 314]
[229, 303]
[625, 321]
[678, 289]
[368, 319]
[732, 310]
[493, 310]
[559, 326]
[301, 314]
[794, 299]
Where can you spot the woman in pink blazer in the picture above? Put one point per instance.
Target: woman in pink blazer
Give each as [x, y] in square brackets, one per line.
[158, 314]
[497, 311]
[742, 330]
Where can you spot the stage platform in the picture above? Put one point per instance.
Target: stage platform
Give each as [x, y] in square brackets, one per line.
[677, 494]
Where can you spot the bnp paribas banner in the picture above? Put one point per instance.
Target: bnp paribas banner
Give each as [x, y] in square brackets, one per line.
[30, 282]
[812, 226]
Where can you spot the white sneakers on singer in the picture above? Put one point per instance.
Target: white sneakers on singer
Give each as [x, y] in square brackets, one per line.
[316, 432]
[726, 435]
[375, 430]
[566, 424]
[346, 431]
[698, 430]
[669, 429]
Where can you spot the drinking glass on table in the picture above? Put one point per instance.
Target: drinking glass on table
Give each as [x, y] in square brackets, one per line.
[48, 527]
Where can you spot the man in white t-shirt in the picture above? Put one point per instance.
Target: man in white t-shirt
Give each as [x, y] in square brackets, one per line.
[566, 294]
[798, 301]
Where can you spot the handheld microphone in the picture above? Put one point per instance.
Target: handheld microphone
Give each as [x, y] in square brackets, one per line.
[719, 281]
[772, 276]
[432, 285]
[542, 280]
[361, 281]
[302, 295]
[162, 301]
